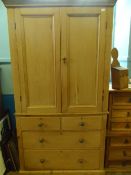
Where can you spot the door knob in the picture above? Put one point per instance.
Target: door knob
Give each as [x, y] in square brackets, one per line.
[64, 60]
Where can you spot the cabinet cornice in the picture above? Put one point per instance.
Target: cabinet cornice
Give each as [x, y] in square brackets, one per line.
[61, 3]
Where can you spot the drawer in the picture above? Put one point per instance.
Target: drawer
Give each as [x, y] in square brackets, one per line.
[40, 123]
[120, 141]
[119, 164]
[121, 99]
[61, 160]
[121, 113]
[120, 126]
[120, 154]
[64, 140]
[82, 123]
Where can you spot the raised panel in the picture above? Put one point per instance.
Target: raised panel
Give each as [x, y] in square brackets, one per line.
[38, 38]
[83, 49]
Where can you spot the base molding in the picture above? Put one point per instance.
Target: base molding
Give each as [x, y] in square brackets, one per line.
[62, 172]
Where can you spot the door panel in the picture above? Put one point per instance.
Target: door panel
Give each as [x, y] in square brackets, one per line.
[38, 35]
[83, 40]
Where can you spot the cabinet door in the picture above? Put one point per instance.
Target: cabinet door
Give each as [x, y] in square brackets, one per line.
[38, 40]
[83, 53]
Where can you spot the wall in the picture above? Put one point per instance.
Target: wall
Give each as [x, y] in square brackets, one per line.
[5, 66]
[122, 29]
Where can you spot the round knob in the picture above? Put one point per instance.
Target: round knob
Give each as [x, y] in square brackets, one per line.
[82, 124]
[126, 141]
[81, 161]
[42, 161]
[82, 140]
[42, 140]
[128, 114]
[127, 126]
[40, 125]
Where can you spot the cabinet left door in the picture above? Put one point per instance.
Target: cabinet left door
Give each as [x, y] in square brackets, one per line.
[38, 43]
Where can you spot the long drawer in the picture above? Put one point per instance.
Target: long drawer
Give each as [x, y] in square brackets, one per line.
[121, 141]
[57, 160]
[123, 99]
[121, 126]
[64, 140]
[120, 154]
[121, 113]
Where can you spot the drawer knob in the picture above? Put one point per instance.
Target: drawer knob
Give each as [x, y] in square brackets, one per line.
[40, 125]
[127, 125]
[126, 141]
[124, 153]
[42, 140]
[82, 140]
[124, 163]
[82, 124]
[42, 161]
[81, 161]
[129, 100]
[128, 114]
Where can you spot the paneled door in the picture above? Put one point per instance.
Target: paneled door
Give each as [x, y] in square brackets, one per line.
[82, 56]
[38, 38]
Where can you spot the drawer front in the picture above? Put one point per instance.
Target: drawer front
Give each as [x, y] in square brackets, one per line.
[121, 126]
[121, 99]
[57, 160]
[82, 123]
[120, 141]
[121, 113]
[120, 154]
[119, 164]
[64, 140]
[43, 123]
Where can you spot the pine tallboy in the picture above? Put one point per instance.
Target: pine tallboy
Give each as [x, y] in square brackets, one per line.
[60, 53]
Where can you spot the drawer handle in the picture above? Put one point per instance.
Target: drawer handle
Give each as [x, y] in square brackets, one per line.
[124, 153]
[42, 161]
[82, 140]
[126, 141]
[127, 126]
[81, 161]
[41, 140]
[129, 100]
[40, 125]
[82, 124]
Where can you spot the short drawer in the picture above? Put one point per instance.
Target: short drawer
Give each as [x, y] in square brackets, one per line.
[82, 123]
[120, 141]
[120, 154]
[121, 114]
[121, 126]
[62, 160]
[40, 123]
[121, 99]
[64, 140]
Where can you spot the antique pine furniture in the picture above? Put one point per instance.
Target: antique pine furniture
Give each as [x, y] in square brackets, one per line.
[60, 53]
[118, 150]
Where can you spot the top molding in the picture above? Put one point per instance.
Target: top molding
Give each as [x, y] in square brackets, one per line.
[60, 3]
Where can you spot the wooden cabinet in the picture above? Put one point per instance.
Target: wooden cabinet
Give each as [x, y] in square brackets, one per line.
[118, 153]
[60, 56]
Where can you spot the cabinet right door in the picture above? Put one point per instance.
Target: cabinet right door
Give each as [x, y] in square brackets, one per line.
[82, 59]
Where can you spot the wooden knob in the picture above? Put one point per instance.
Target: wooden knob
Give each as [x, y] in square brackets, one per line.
[42, 161]
[126, 141]
[129, 100]
[42, 140]
[40, 125]
[124, 163]
[81, 161]
[82, 124]
[82, 140]
[127, 126]
[128, 114]
[124, 153]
